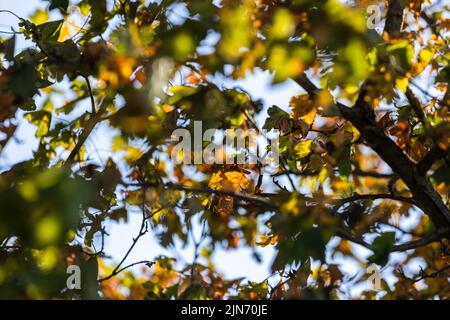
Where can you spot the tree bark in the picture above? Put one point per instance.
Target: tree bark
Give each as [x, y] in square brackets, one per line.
[394, 18]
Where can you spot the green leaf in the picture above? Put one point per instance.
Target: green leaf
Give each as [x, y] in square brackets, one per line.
[275, 113]
[98, 15]
[403, 53]
[24, 81]
[39, 16]
[179, 92]
[382, 247]
[89, 276]
[344, 165]
[309, 243]
[303, 149]
[62, 5]
[203, 8]
[444, 75]
[7, 47]
[50, 30]
[119, 214]
[42, 119]
[283, 24]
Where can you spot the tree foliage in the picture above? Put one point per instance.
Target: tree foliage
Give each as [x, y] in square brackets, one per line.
[364, 164]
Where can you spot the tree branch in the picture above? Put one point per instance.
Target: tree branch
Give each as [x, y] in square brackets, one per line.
[113, 274]
[424, 275]
[415, 105]
[394, 18]
[356, 172]
[376, 196]
[430, 158]
[91, 95]
[262, 201]
[362, 118]
[435, 237]
[238, 195]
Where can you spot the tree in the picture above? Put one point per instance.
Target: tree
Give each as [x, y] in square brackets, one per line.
[363, 148]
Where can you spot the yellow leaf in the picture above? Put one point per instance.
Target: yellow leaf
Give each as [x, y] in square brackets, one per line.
[402, 84]
[65, 33]
[167, 108]
[267, 240]
[426, 56]
[236, 32]
[47, 230]
[47, 258]
[231, 180]
[303, 148]
[284, 24]
[237, 180]
[215, 182]
[309, 118]
[39, 17]
[133, 154]
[118, 143]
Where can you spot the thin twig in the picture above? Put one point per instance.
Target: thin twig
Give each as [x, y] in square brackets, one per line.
[95, 118]
[91, 95]
[146, 262]
[142, 230]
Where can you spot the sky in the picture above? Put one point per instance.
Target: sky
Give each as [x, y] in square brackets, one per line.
[232, 263]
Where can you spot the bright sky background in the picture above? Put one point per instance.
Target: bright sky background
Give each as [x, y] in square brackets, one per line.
[232, 263]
